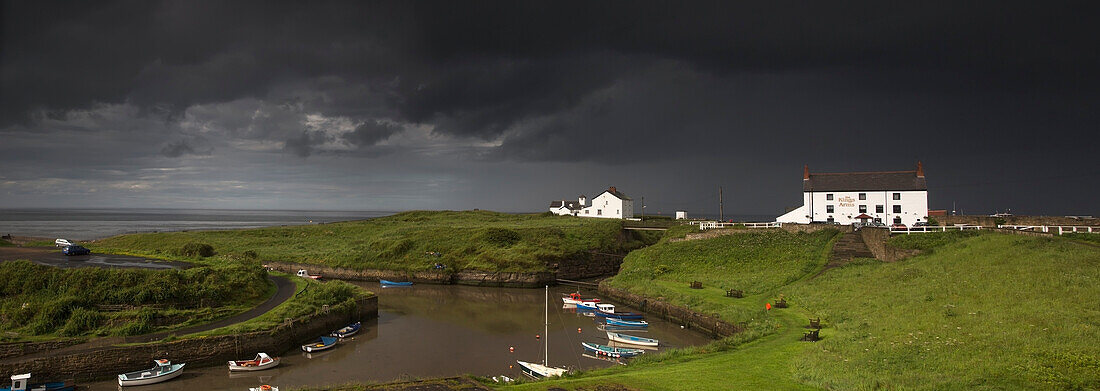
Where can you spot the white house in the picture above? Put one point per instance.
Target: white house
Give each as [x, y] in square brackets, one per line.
[610, 204]
[889, 197]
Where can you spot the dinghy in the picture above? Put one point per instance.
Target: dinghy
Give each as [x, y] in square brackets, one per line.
[630, 339]
[626, 323]
[347, 331]
[619, 315]
[21, 383]
[264, 387]
[575, 298]
[261, 362]
[610, 351]
[323, 343]
[163, 371]
[386, 283]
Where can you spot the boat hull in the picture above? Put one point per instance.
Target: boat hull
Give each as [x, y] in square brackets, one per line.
[632, 340]
[347, 331]
[394, 283]
[627, 323]
[539, 371]
[233, 366]
[325, 343]
[609, 351]
[620, 315]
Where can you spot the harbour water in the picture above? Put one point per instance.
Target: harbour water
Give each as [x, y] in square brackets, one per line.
[88, 224]
[427, 331]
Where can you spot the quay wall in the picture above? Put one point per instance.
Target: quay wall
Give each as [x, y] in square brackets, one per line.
[106, 362]
[709, 324]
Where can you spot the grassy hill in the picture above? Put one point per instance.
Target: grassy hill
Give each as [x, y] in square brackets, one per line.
[976, 311]
[478, 240]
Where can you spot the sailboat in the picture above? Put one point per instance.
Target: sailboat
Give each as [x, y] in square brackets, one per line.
[539, 371]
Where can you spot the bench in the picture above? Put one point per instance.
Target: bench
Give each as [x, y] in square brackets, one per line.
[696, 285]
[737, 293]
[812, 335]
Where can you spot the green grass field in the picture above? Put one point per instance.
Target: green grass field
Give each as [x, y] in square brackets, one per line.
[478, 240]
[984, 311]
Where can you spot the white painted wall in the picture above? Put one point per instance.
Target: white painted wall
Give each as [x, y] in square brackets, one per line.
[608, 206]
[815, 207]
[681, 215]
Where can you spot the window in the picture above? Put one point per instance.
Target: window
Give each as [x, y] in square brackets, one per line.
[878, 219]
[897, 208]
[897, 196]
[830, 220]
[616, 211]
[828, 209]
[879, 209]
[897, 220]
[829, 197]
[599, 212]
[863, 209]
[586, 211]
[862, 196]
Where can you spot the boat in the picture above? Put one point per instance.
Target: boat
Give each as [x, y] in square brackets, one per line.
[264, 387]
[628, 345]
[347, 331]
[576, 298]
[304, 274]
[630, 339]
[261, 362]
[323, 343]
[163, 371]
[22, 383]
[611, 351]
[603, 358]
[394, 283]
[619, 315]
[538, 371]
[588, 306]
[626, 323]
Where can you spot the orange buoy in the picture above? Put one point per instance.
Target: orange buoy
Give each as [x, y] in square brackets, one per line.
[538, 336]
[578, 330]
[512, 349]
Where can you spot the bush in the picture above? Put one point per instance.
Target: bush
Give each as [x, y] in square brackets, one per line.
[192, 249]
[499, 237]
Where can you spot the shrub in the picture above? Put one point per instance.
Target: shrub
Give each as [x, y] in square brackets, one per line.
[499, 237]
[192, 249]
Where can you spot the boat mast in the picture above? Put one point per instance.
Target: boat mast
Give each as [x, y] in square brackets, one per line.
[546, 326]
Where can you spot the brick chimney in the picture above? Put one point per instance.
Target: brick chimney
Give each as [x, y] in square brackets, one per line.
[611, 189]
[920, 169]
[806, 172]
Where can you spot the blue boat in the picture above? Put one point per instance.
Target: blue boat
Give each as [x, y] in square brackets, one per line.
[620, 315]
[19, 383]
[610, 351]
[347, 331]
[587, 306]
[394, 283]
[626, 323]
[323, 343]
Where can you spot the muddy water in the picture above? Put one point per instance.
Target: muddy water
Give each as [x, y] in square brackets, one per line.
[437, 330]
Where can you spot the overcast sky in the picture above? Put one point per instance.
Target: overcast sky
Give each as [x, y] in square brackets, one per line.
[507, 106]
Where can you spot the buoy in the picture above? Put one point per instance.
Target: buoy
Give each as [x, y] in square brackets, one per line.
[512, 349]
[538, 336]
[509, 367]
[578, 330]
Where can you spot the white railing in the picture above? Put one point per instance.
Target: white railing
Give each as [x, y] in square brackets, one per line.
[705, 225]
[918, 230]
[1060, 229]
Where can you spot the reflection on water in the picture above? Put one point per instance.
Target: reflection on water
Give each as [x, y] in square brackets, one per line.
[438, 330]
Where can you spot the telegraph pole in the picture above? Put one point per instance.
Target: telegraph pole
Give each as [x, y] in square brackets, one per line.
[721, 208]
[643, 207]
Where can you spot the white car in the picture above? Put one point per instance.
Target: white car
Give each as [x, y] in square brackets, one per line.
[62, 242]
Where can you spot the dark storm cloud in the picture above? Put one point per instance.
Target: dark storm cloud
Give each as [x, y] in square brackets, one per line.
[754, 88]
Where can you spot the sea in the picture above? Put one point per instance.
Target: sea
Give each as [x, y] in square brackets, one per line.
[90, 224]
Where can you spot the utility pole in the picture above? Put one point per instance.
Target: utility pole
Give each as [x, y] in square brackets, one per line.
[721, 208]
[643, 207]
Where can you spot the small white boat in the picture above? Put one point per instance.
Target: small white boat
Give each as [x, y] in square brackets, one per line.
[607, 308]
[163, 371]
[261, 362]
[576, 298]
[323, 343]
[304, 274]
[538, 371]
[264, 387]
[630, 339]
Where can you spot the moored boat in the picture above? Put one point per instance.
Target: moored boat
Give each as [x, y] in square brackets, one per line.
[323, 343]
[347, 331]
[630, 339]
[21, 382]
[576, 298]
[539, 371]
[626, 323]
[163, 371]
[264, 387]
[394, 283]
[261, 362]
[611, 351]
[620, 315]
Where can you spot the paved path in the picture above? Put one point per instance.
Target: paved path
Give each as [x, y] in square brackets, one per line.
[51, 256]
[285, 290]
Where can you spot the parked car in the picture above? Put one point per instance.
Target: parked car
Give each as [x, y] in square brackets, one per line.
[75, 250]
[898, 226]
[876, 224]
[62, 242]
[921, 224]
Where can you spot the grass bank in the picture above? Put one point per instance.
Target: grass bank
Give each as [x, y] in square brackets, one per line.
[477, 240]
[977, 311]
[41, 302]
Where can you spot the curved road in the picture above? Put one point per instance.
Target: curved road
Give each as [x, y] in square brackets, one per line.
[50, 256]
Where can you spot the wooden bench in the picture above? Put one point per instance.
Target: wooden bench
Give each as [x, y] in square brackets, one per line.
[812, 335]
[696, 285]
[815, 323]
[781, 303]
[735, 293]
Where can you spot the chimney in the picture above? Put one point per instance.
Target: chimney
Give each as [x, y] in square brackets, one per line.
[920, 169]
[581, 200]
[806, 172]
[611, 189]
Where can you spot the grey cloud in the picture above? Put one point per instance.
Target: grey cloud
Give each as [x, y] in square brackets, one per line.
[187, 146]
[370, 132]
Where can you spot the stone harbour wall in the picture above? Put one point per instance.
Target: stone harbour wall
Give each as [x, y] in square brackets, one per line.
[709, 324]
[107, 362]
[469, 277]
[15, 349]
